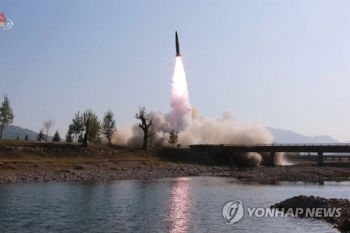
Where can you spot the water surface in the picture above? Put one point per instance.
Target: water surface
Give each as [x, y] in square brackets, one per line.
[187, 204]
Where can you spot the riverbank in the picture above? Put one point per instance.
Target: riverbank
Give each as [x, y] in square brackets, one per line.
[298, 172]
[104, 171]
[342, 222]
[25, 161]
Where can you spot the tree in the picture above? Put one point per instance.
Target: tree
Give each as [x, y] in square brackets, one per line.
[92, 127]
[145, 125]
[6, 114]
[95, 129]
[69, 135]
[26, 137]
[48, 124]
[17, 138]
[173, 137]
[77, 126]
[56, 137]
[109, 125]
[152, 134]
[81, 138]
[40, 136]
[85, 128]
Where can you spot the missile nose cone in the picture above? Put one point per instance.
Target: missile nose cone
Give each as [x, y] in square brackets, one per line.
[177, 45]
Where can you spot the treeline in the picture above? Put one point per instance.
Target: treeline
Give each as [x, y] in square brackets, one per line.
[87, 128]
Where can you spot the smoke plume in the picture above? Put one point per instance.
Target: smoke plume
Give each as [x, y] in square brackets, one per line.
[195, 129]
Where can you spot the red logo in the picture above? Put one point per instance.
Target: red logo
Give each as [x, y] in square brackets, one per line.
[2, 18]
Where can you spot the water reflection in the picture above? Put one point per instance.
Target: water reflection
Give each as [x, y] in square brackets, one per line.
[179, 205]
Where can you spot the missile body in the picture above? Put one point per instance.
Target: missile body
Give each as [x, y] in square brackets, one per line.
[177, 46]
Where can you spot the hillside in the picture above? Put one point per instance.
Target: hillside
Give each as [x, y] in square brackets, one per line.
[287, 136]
[12, 131]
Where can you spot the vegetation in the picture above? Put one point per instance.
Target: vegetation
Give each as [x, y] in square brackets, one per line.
[26, 137]
[56, 137]
[40, 136]
[145, 125]
[77, 126]
[6, 114]
[47, 125]
[85, 128]
[92, 126]
[69, 135]
[109, 125]
[173, 137]
[17, 138]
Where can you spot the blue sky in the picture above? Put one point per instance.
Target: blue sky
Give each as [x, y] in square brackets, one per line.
[284, 64]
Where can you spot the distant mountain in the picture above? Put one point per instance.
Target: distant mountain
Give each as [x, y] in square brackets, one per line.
[287, 136]
[12, 131]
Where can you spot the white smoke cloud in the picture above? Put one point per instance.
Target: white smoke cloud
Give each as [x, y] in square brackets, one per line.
[194, 129]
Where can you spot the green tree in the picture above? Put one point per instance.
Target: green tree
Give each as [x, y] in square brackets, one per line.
[40, 136]
[109, 125]
[69, 135]
[26, 137]
[77, 126]
[173, 137]
[56, 137]
[85, 128]
[145, 125]
[81, 138]
[92, 127]
[6, 114]
[17, 138]
[48, 124]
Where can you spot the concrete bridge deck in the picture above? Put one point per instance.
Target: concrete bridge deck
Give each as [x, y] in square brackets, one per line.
[273, 148]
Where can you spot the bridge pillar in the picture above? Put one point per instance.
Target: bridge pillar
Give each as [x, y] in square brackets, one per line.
[320, 158]
[271, 161]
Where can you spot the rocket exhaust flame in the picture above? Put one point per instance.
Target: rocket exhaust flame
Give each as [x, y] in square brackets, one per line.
[180, 102]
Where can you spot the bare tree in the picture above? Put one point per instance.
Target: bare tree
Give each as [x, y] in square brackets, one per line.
[145, 125]
[47, 125]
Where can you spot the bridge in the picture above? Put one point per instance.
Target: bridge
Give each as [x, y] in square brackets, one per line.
[320, 149]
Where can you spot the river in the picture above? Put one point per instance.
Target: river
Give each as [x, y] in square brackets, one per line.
[185, 204]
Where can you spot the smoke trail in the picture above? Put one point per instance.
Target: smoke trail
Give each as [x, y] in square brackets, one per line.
[180, 115]
[194, 129]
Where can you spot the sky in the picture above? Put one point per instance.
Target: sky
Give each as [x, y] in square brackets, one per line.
[283, 64]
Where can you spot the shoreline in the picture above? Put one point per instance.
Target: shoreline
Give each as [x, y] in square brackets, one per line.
[112, 170]
[80, 173]
[28, 161]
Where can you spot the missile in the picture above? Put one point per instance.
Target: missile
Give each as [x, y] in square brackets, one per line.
[177, 45]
